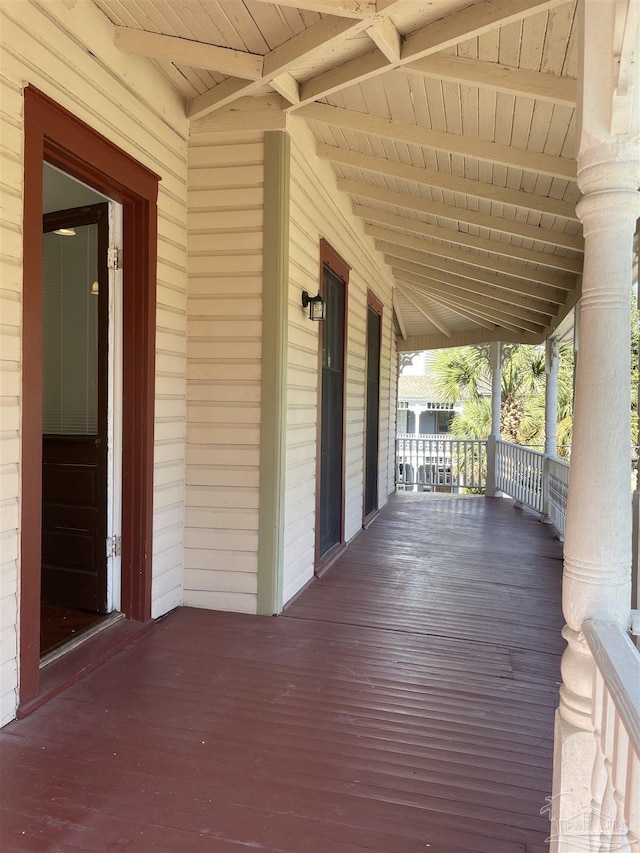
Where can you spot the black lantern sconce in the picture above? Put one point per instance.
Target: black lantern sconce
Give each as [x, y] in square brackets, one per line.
[315, 304]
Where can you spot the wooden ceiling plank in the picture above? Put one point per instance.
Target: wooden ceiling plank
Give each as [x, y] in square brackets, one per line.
[540, 292]
[453, 183]
[459, 238]
[471, 22]
[461, 214]
[498, 77]
[344, 8]
[482, 301]
[386, 38]
[233, 63]
[488, 314]
[490, 262]
[428, 315]
[450, 143]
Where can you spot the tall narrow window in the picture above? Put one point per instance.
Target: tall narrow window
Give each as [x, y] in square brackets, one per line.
[372, 415]
[330, 500]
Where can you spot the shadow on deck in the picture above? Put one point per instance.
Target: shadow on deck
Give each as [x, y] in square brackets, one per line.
[403, 703]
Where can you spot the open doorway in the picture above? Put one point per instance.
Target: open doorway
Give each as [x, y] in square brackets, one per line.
[55, 137]
[81, 413]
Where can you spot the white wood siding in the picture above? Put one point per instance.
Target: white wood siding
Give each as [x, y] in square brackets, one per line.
[67, 51]
[224, 370]
[318, 210]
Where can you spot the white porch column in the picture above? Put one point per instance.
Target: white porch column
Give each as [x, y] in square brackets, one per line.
[495, 362]
[635, 549]
[417, 411]
[635, 561]
[598, 534]
[552, 363]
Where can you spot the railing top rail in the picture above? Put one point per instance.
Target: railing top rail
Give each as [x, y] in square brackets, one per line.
[433, 436]
[520, 447]
[561, 462]
[618, 661]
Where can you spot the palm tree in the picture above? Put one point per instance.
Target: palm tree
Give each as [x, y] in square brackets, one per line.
[464, 375]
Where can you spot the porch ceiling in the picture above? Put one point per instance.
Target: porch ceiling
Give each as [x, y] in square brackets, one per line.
[451, 126]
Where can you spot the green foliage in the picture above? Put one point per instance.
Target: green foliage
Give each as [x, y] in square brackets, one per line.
[463, 375]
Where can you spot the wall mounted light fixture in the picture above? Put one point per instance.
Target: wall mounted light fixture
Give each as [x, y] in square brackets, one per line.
[315, 304]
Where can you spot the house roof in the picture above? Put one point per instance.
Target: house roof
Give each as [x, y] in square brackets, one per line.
[451, 126]
[418, 388]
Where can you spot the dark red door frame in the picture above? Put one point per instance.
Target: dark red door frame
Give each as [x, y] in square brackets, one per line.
[54, 135]
[331, 259]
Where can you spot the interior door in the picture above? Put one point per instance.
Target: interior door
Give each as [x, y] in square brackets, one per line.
[332, 415]
[372, 420]
[75, 383]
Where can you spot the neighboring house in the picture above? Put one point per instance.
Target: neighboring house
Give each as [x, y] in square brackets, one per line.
[420, 410]
[175, 429]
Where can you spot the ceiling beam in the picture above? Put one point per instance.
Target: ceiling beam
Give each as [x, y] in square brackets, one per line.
[428, 315]
[475, 310]
[287, 86]
[497, 77]
[421, 264]
[450, 143]
[233, 63]
[319, 35]
[471, 22]
[357, 70]
[399, 317]
[472, 316]
[490, 315]
[474, 313]
[344, 8]
[471, 289]
[461, 214]
[479, 299]
[461, 238]
[459, 26]
[464, 283]
[386, 38]
[220, 96]
[488, 262]
[444, 181]
[282, 59]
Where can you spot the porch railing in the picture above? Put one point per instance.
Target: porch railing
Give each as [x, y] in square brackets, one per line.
[534, 480]
[433, 463]
[519, 473]
[557, 488]
[615, 794]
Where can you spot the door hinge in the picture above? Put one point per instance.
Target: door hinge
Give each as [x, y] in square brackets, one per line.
[114, 261]
[114, 546]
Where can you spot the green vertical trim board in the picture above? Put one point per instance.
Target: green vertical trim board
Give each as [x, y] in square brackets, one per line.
[275, 283]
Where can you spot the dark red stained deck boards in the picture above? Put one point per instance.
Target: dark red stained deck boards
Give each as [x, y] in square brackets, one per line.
[403, 703]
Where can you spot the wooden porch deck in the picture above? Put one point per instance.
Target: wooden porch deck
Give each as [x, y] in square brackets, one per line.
[403, 703]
